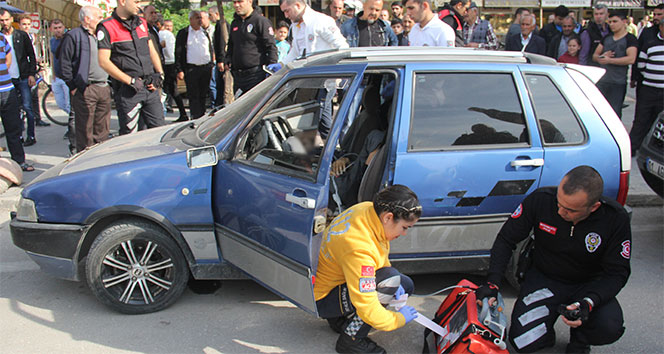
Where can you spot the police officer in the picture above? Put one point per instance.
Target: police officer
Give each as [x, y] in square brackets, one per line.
[250, 46]
[127, 54]
[580, 261]
[355, 280]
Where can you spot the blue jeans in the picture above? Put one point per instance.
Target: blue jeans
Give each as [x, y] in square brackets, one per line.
[23, 90]
[61, 94]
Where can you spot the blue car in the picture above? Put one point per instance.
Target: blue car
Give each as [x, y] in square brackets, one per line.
[249, 191]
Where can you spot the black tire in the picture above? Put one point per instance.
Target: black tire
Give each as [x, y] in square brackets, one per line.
[112, 270]
[653, 181]
[48, 106]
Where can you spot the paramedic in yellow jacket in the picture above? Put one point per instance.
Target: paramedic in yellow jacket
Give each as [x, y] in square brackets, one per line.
[354, 280]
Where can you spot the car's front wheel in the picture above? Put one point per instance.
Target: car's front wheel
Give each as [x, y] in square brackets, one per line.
[134, 267]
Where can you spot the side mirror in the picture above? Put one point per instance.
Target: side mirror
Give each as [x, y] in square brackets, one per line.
[202, 157]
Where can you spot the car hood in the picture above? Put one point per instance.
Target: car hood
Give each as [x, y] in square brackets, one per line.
[121, 149]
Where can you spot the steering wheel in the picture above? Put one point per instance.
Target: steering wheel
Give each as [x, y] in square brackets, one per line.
[285, 126]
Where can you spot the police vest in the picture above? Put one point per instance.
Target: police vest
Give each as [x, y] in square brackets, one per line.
[130, 50]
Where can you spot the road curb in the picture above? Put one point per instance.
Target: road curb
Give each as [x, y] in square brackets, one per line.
[644, 200]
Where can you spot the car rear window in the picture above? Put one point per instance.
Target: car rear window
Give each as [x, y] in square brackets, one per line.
[465, 110]
[557, 122]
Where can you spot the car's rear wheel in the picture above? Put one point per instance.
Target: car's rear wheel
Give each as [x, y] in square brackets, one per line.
[134, 267]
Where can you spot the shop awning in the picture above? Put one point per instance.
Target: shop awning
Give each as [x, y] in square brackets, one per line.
[511, 3]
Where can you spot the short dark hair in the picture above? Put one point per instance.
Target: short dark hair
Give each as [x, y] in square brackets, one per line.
[23, 17]
[56, 21]
[419, 2]
[398, 200]
[4, 11]
[519, 11]
[660, 6]
[584, 178]
[397, 3]
[282, 23]
[396, 21]
[454, 2]
[616, 13]
[574, 37]
[561, 11]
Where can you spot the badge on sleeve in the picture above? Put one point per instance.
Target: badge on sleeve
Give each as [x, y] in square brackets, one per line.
[517, 212]
[593, 241]
[367, 285]
[626, 249]
[250, 27]
[368, 271]
[100, 35]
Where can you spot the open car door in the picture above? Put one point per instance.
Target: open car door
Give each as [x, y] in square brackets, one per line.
[270, 199]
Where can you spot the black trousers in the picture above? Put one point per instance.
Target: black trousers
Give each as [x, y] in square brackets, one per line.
[138, 109]
[11, 122]
[649, 102]
[246, 79]
[337, 303]
[535, 312]
[170, 87]
[197, 78]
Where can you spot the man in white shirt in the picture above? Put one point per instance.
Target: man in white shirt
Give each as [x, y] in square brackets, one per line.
[312, 31]
[167, 43]
[194, 59]
[428, 30]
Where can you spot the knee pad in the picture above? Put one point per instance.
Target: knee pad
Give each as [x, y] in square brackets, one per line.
[388, 280]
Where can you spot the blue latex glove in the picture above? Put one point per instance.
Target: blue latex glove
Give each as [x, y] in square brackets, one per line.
[274, 67]
[408, 312]
[399, 292]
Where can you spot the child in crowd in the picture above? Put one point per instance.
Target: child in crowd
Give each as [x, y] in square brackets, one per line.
[282, 44]
[571, 56]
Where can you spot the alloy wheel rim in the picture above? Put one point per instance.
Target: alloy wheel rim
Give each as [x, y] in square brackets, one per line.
[138, 272]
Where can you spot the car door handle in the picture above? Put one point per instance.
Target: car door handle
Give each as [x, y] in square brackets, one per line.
[521, 163]
[304, 202]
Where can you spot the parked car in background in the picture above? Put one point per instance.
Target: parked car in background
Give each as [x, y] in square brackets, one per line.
[650, 157]
[249, 188]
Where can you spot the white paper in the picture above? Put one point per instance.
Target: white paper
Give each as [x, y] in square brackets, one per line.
[426, 322]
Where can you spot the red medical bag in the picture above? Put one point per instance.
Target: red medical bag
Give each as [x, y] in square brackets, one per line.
[470, 328]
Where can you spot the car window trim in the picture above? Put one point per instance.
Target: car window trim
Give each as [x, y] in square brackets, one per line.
[512, 72]
[579, 121]
[241, 137]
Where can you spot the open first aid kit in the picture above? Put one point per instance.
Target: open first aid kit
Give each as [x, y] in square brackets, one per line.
[461, 325]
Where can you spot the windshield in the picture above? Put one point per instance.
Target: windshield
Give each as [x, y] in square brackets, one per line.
[214, 129]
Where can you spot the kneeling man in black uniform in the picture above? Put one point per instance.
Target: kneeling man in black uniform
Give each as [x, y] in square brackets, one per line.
[580, 260]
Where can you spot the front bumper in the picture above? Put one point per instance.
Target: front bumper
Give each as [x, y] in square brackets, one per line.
[52, 246]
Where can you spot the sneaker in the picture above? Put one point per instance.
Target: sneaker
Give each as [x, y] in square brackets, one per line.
[336, 323]
[348, 344]
[41, 123]
[576, 347]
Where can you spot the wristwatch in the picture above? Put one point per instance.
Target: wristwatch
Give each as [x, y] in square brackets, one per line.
[133, 80]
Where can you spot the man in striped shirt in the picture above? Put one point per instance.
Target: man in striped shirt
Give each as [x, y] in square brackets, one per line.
[9, 107]
[650, 63]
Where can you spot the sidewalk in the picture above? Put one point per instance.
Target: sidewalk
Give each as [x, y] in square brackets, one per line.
[51, 149]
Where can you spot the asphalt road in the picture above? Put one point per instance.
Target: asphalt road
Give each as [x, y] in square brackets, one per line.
[41, 314]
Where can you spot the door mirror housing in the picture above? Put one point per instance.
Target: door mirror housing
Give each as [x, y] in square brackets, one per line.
[202, 157]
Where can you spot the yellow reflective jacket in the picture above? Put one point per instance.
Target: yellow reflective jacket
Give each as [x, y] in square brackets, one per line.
[353, 248]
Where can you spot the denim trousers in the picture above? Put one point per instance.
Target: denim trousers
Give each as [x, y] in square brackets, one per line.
[23, 91]
[61, 94]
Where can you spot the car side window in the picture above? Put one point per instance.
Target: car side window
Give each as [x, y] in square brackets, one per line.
[284, 135]
[464, 110]
[557, 122]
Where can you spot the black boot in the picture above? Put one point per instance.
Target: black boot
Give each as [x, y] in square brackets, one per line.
[576, 347]
[348, 344]
[336, 323]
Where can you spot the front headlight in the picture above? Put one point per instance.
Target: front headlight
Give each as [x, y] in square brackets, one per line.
[26, 210]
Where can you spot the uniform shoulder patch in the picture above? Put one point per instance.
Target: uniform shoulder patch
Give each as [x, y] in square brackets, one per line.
[593, 241]
[270, 31]
[368, 271]
[100, 35]
[367, 285]
[626, 249]
[517, 212]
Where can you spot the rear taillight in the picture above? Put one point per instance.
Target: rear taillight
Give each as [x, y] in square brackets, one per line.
[623, 188]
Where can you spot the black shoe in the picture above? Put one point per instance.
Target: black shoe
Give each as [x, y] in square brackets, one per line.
[576, 347]
[41, 123]
[72, 150]
[169, 109]
[182, 119]
[66, 136]
[30, 141]
[348, 344]
[336, 323]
